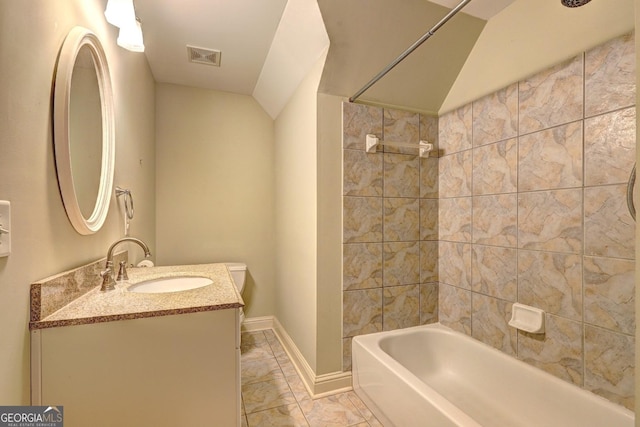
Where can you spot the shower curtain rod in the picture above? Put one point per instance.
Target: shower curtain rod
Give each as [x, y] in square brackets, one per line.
[407, 52]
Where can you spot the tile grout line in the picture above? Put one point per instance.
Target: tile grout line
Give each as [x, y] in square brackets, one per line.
[297, 402]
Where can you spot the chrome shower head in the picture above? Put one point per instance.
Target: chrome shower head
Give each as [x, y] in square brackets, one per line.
[574, 3]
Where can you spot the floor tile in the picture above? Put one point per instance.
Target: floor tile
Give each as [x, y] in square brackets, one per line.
[274, 395]
[362, 408]
[266, 395]
[287, 367]
[287, 415]
[336, 410]
[259, 370]
[298, 388]
[253, 338]
[256, 352]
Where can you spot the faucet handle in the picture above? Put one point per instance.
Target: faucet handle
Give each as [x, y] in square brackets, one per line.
[108, 284]
[122, 272]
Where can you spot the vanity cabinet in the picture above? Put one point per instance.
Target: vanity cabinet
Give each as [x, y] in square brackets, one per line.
[174, 370]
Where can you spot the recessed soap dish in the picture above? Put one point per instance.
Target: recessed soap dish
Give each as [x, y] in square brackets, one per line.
[526, 318]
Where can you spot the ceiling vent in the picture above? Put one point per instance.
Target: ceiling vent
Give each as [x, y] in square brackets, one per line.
[201, 55]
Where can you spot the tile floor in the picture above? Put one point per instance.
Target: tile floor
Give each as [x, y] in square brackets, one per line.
[273, 394]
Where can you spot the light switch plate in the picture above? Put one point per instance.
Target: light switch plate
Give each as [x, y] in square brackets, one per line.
[5, 225]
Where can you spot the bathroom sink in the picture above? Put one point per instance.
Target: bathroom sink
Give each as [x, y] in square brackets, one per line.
[170, 284]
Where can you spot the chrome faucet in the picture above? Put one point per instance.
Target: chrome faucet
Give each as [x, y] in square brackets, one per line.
[108, 284]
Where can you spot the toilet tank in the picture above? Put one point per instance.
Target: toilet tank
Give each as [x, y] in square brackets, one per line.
[238, 272]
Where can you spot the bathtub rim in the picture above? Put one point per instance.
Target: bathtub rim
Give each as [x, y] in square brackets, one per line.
[372, 341]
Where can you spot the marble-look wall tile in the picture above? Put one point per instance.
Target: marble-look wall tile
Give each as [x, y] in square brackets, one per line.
[362, 219]
[495, 220]
[429, 178]
[361, 266]
[552, 97]
[384, 195]
[428, 303]
[610, 76]
[524, 205]
[455, 130]
[361, 312]
[609, 365]
[551, 158]
[428, 219]
[609, 293]
[494, 271]
[401, 175]
[558, 351]
[401, 307]
[401, 263]
[429, 132]
[401, 126]
[454, 218]
[495, 168]
[489, 319]
[551, 282]
[362, 173]
[454, 308]
[495, 117]
[610, 147]
[429, 261]
[454, 179]
[346, 353]
[550, 220]
[609, 228]
[401, 219]
[454, 264]
[358, 120]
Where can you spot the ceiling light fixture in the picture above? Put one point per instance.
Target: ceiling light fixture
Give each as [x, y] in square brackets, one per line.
[119, 12]
[122, 14]
[130, 37]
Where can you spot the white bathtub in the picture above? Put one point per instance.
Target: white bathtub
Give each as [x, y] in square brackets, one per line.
[433, 376]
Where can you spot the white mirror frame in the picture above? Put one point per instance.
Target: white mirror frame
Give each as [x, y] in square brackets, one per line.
[77, 38]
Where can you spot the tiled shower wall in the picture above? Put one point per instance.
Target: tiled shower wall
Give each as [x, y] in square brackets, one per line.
[532, 208]
[390, 203]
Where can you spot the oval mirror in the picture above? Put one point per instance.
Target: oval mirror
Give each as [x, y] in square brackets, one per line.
[83, 133]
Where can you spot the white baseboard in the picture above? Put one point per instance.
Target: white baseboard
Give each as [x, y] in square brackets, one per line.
[257, 323]
[317, 385]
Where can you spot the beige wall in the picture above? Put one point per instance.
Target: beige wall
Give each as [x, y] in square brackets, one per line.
[296, 215]
[329, 286]
[215, 185]
[43, 241]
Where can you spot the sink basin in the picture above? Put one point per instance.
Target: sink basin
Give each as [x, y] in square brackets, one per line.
[170, 284]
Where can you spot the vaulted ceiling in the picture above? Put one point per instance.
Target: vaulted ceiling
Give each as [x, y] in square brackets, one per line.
[268, 46]
[366, 35]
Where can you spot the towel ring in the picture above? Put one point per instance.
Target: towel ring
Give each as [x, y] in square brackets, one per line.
[128, 201]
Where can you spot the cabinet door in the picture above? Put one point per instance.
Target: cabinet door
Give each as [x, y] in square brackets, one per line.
[161, 371]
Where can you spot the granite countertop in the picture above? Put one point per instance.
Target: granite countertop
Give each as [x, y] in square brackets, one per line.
[96, 306]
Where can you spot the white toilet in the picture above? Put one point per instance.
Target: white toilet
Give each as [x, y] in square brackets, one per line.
[238, 272]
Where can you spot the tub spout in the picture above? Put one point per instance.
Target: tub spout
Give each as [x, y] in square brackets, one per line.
[108, 283]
